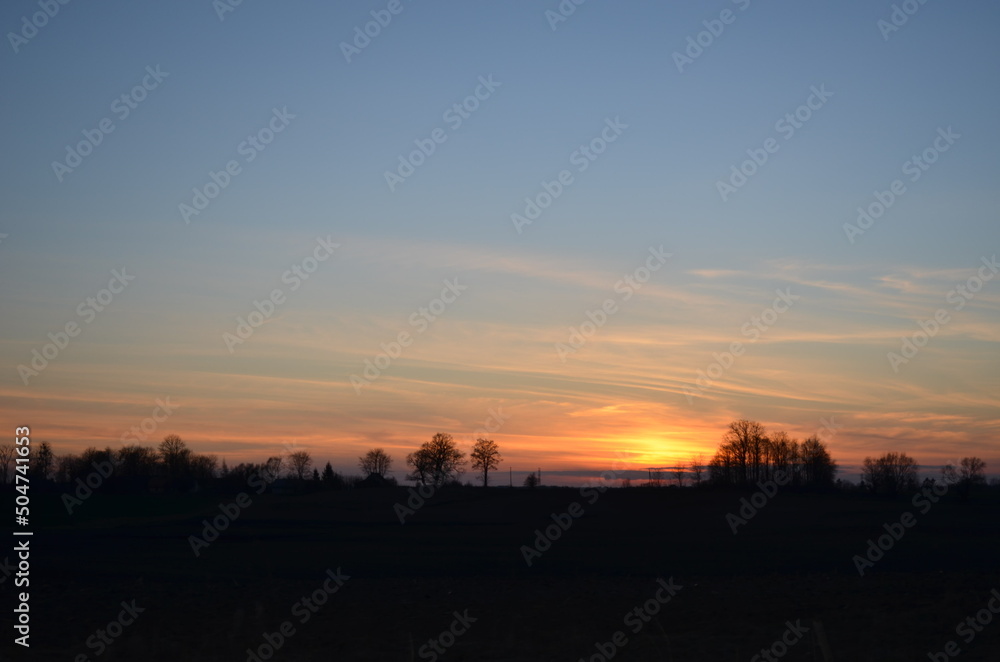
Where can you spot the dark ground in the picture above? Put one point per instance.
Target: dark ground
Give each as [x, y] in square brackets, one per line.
[462, 551]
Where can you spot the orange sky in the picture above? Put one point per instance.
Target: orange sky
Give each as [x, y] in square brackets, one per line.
[622, 391]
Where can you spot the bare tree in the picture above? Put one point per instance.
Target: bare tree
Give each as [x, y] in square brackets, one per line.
[971, 472]
[299, 463]
[437, 461]
[68, 468]
[204, 467]
[742, 455]
[818, 468]
[748, 455]
[376, 461]
[890, 473]
[43, 461]
[485, 457]
[680, 473]
[176, 455]
[136, 461]
[975, 469]
[7, 453]
[697, 469]
[92, 455]
[783, 454]
[422, 470]
[273, 467]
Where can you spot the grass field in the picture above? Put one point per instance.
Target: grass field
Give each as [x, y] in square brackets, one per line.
[462, 552]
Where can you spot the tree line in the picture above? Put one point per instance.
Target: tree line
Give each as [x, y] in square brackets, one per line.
[173, 466]
[747, 455]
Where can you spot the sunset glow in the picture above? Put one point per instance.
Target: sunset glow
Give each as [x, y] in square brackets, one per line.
[565, 269]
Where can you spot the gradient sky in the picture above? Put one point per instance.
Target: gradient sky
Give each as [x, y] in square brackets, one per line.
[619, 395]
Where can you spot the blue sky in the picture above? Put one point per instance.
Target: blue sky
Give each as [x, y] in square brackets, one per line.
[324, 175]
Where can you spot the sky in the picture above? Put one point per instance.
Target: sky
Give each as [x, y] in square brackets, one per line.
[594, 233]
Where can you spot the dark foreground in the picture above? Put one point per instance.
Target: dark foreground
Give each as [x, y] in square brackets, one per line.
[788, 572]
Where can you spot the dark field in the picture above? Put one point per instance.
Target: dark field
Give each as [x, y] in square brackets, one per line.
[461, 552]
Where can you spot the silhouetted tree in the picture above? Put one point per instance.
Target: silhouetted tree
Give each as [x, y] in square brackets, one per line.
[43, 461]
[974, 470]
[315, 475]
[680, 473]
[7, 454]
[299, 462]
[531, 480]
[485, 458]
[437, 461]
[203, 467]
[741, 455]
[136, 461]
[784, 454]
[67, 468]
[697, 469]
[723, 468]
[376, 461]
[272, 467]
[333, 480]
[176, 456]
[238, 475]
[818, 468]
[747, 456]
[70, 467]
[969, 474]
[93, 455]
[890, 473]
[731, 462]
[971, 470]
